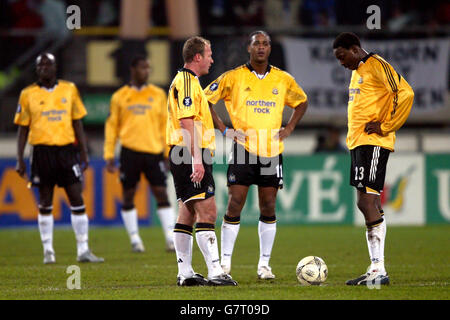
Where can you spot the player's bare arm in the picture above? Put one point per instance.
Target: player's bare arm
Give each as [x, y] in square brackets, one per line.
[81, 138]
[296, 116]
[198, 170]
[22, 135]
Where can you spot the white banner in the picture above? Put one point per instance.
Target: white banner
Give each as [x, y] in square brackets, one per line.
[402, 198]
[424, 63]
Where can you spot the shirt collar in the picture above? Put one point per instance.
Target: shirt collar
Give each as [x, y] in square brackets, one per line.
[249, 66]
[136, 87]
[189, 70]
[260, 76]
[367, 57]
[45, 88]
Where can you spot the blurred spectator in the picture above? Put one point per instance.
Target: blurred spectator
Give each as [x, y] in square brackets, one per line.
[215, 13]
[108, 14]
[248, 12]
[318, 13]
[54, 15]
[281, 13]
[218, 8]
[403, 15]
[329, 141]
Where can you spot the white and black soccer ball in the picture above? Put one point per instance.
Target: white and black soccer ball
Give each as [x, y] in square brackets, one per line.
[311, 270]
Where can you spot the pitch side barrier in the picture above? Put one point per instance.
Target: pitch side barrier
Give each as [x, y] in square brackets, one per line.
[316, 191]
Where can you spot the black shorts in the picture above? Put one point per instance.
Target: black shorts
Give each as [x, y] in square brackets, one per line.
[51, 165]
[246, 169]
[368, 168]
[181, 168]
[133, 163]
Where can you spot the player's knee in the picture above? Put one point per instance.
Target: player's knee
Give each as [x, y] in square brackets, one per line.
[75, 198]
[267, 207]
[235, 204]
[206, 210]
[364, 204]
[128, 200]
[208, 217]
[161, 198]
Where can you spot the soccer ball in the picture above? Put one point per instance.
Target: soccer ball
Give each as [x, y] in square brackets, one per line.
[311, 270]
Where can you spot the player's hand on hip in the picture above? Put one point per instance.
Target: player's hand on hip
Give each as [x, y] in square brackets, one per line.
[197, 174]
[236, 135]
[20, 168]
[283, 133]
[374, 127]
[110, 166]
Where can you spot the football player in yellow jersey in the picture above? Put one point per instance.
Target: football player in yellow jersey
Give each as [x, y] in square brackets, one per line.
[255, 95]
[190, 135]
[49, 115]
[138, 116]
[380, 101]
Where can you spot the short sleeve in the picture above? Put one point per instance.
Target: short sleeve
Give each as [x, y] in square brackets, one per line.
[185, 93]
[294, 94]
[219, 89]
[78, 109]
[22, 117]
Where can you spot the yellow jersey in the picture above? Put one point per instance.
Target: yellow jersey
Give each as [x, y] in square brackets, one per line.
[377, 93]
[49, 113]
[255, 105]
[187, 99]
[137, 117]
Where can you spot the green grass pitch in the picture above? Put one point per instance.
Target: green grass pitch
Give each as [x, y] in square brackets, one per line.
[417, 259]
